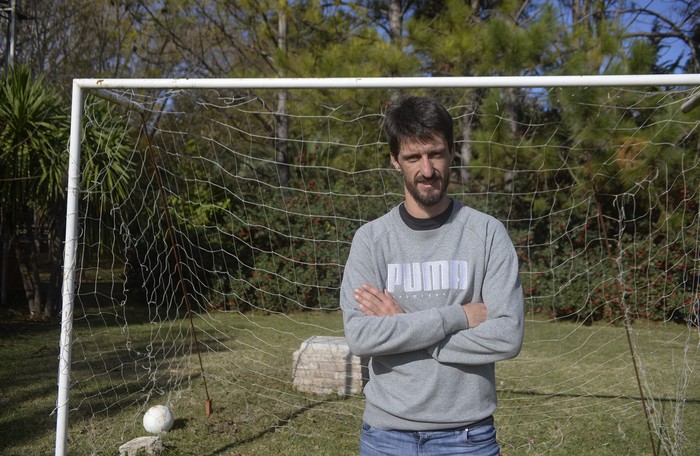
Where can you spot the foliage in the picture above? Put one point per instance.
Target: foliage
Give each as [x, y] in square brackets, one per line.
[643, 281]
[581, 186]
[33, 138]
[108, 172]
[34, 168]
[588, 173]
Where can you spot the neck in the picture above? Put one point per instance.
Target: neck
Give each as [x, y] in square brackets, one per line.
[419, 211]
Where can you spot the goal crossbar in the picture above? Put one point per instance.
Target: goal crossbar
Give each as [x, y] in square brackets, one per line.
[397, 82]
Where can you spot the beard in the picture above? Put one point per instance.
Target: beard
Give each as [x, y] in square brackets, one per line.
[428, 197]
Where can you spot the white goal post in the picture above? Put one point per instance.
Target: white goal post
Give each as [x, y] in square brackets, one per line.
[106, 87]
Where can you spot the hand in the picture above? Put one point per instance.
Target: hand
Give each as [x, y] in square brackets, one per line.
[476, 313]
[374, 302]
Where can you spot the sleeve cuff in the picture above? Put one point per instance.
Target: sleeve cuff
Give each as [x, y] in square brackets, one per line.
[453, 319]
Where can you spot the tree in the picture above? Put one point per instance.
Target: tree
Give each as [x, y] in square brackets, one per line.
[483, 38]
[674, 24]
[77, 38]
[33, 138]
[34, 131]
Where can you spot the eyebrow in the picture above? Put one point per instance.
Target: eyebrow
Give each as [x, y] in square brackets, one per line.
[438, 150]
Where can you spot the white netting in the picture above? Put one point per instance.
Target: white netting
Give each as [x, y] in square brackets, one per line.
[599, 188]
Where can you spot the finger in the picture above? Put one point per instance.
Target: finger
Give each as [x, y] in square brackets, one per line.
[366, 302]
[366, 310]
[371, 305]
[376, 292]
[371, 296]
[387, 297]
[364, 297]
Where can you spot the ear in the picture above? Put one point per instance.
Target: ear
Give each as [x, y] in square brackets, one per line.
[394, 162]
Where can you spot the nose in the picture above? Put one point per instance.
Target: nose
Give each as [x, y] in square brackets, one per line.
[426, 167]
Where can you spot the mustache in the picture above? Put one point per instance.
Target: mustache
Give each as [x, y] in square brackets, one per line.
[435, 177]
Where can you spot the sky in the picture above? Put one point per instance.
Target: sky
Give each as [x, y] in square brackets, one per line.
[669, 9]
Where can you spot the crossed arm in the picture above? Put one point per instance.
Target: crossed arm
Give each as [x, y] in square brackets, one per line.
[375, 302]
[469, 333]
[485, 339]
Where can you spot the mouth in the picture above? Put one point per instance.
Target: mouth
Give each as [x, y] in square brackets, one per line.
[427, 191]
[429, 183]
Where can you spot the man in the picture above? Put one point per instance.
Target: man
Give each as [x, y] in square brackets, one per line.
[431, 294]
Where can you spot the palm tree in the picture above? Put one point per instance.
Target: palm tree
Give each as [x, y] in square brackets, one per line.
[34, 125]
[34, 134]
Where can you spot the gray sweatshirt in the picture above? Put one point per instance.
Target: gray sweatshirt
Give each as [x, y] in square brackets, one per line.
[428, 369]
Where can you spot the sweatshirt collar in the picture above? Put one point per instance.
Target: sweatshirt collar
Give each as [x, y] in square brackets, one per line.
[423, 224]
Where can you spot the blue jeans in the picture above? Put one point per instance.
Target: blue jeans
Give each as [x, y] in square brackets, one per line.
[476, 441]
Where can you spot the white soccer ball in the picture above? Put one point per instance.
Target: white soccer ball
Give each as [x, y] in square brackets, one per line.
[158, 419]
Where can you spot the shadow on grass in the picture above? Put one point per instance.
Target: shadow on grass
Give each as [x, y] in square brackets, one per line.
[110, 369]
[29, 351]
[113, 305]
[534, 393]
[282, 422]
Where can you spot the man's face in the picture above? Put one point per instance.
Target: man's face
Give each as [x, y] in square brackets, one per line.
[426, 169]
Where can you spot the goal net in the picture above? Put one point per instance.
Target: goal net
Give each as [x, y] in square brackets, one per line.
[209, 222]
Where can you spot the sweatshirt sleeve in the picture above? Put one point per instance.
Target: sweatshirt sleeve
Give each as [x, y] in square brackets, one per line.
[501, 336]
[375, 336]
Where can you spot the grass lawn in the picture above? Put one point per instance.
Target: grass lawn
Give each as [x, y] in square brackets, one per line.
[572, 391]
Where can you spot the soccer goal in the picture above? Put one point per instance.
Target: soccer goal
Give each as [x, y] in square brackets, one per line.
[208, 222]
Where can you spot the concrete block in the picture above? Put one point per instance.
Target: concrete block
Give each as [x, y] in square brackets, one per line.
[142, 446]
[324, 365]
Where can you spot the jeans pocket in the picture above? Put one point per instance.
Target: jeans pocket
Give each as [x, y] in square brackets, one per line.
[482, 435]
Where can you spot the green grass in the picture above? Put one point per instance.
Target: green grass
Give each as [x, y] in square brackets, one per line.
[571, 391]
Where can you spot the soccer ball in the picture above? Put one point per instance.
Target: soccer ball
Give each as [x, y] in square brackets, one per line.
[158, 419]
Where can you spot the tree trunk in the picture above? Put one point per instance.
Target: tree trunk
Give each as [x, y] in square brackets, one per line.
[28, 260]
[511, 110]
[53, 290]
[466, 151]
[282, 159]
[4, 265]
[395, 26]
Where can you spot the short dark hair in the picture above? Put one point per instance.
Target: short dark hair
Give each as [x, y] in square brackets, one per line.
[416, 119]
